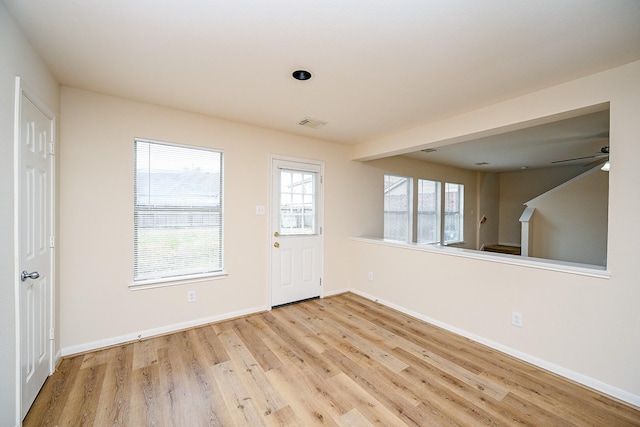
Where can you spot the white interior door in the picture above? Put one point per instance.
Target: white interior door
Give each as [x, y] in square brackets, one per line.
[35, 249]
[296, 232]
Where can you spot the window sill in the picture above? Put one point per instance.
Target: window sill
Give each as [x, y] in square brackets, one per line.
[172, 281]
[539, 263]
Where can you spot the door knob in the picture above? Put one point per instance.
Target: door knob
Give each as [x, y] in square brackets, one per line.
[276, 245]
[33, 275]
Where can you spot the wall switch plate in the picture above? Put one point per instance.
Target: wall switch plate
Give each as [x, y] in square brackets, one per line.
[516, 319]
[370, 276]
[261, 210]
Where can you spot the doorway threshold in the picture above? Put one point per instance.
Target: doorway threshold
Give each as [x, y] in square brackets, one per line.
[293, 302]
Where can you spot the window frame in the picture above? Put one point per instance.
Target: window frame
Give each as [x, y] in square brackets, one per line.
[410, 207]
[145, 281]
[460, 212]
[437, 212]
[414, 206]
[299, 210]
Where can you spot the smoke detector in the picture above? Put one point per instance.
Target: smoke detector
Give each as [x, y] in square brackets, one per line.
[312, 123]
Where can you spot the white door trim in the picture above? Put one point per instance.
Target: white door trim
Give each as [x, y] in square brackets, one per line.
[20, 90]
[272, 159]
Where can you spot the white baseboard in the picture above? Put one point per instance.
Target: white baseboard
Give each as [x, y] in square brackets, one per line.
[600, 386]
[338, 292]
[56, 359]
[109, 342]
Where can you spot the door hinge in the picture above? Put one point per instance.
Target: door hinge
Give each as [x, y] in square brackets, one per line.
[52, 334]
[52, 241]
[321, 282]
[321, 179]
[52, 148]
[320, 230]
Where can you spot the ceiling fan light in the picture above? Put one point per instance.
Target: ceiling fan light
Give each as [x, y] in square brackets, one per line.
[606, 167]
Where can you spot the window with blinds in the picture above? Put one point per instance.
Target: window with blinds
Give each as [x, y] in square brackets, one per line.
[453, 213]
[438, 211]
[177, 211]
[428, 211]
[397, 208]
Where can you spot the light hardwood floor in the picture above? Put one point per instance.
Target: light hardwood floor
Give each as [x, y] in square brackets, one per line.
[339, 361]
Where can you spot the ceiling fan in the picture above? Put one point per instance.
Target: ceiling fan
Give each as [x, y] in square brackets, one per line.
[600, 157]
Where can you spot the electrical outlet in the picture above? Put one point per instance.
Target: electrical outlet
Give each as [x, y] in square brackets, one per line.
[370, 276]
[516, 319]
[191, 296]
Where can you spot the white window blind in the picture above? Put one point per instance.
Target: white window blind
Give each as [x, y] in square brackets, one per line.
[453, 213]
[428, 211]
[177, 212]
[397, 208]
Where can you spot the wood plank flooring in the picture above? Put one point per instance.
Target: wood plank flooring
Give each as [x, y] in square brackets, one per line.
[339, 361]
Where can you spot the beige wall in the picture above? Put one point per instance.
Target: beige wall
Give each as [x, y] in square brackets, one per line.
[18, 59]
[489, 207]
[520, 186]
[584, 325]
[96, 215]
[570, 222]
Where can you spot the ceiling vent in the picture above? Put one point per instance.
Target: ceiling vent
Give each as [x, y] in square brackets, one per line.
[311, 123]
[429, 150]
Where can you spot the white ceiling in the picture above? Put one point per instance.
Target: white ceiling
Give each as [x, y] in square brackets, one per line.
[575, 141]
[378, 66]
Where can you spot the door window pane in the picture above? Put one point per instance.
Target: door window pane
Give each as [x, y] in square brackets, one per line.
[298, 210]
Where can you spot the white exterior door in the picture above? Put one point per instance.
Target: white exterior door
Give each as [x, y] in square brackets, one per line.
[296, 232]
[35, 221]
